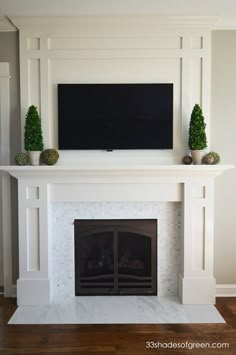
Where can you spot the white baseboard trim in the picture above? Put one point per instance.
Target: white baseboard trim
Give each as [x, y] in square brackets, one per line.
[11, 292]
[226, 290]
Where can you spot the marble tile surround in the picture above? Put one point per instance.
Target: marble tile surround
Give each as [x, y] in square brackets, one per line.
[63, 215]
[116, 310]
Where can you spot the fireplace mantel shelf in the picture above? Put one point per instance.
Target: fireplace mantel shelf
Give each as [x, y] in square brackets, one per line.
[60, 171]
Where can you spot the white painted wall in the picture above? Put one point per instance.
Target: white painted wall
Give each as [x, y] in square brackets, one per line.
[223, 134]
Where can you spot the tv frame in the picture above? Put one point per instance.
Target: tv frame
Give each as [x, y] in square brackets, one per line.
[163, 146]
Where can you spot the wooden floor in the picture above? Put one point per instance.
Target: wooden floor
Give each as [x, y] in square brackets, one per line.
[115, 339]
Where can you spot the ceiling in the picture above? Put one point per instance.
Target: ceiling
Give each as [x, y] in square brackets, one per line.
[10, 8]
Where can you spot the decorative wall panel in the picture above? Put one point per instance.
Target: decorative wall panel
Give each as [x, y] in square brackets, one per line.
[110, 50]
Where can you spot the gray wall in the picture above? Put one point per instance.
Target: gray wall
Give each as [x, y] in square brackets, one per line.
[9, 52]
[223, 137]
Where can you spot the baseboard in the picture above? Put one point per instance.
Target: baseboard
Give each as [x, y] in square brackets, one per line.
[11, 291]
[226, 290]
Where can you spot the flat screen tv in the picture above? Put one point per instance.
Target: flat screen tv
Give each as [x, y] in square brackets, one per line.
[115, 116]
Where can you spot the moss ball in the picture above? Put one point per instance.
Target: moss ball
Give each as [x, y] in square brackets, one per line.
[187, 160]
[208, 159]
[211, 158]
[216, 157]
[49, 156]
[22, 159]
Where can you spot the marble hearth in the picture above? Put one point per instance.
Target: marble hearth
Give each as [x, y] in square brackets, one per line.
[62, 192]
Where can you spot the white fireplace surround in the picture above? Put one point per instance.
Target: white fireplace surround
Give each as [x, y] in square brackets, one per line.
[193, 186]
[102, 49]
[168, 216]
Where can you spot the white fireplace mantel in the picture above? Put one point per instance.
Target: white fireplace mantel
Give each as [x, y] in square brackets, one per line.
[61, 171]
[191, 185]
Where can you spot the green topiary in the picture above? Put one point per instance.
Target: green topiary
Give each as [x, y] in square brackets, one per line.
[49, 156]
[197, 135]
[22, 159]
[33, 139]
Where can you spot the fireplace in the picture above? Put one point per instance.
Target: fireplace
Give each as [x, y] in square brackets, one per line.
[41, 187]
[115, 257]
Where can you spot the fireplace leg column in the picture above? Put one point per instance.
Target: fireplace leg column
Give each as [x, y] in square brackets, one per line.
[34, 286]
[196, 281]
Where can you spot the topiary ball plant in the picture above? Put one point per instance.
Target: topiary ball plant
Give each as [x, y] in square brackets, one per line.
[22, 159]
[212, 158]
[208, 159]
[197, 135]
[33, 138]
[49, 156]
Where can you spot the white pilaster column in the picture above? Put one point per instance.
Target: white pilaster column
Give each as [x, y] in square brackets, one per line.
[196, 280]
[34, 286]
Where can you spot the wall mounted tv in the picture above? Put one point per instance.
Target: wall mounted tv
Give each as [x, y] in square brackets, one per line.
[115, 116]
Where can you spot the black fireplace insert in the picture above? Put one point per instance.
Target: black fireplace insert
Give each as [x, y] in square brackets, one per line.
[116, 257]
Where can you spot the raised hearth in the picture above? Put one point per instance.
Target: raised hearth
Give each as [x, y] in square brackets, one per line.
[193, 186]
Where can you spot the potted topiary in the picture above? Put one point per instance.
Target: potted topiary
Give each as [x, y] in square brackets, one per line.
[197, 141]
[33, 139]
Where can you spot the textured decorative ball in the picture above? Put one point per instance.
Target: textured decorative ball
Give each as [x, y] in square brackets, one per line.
[216, 157]
[211, 158]
[22, 159]
[187, 160]
[208, 159]
[49, 156]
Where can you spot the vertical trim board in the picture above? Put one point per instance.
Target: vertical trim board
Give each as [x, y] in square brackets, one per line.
[5, 189]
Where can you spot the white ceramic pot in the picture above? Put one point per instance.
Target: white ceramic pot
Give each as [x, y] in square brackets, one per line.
[197, 156]
[34, 157]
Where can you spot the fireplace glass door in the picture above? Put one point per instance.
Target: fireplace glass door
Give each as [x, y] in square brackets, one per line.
[115, 257]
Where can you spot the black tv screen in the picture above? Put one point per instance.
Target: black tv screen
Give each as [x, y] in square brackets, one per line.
[115, 116]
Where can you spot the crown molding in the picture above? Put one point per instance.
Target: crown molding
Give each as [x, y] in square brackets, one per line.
[6, 25]
[226, 23]
[198, 22]
[113, 21]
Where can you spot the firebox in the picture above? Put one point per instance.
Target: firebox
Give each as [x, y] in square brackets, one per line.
[116, 257]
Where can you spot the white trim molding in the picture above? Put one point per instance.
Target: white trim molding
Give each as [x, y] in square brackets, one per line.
[146, 172]
[226, 290]
[226, 23]
[206, 22]
[5, 188]
[6, 25]
[116, 20]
